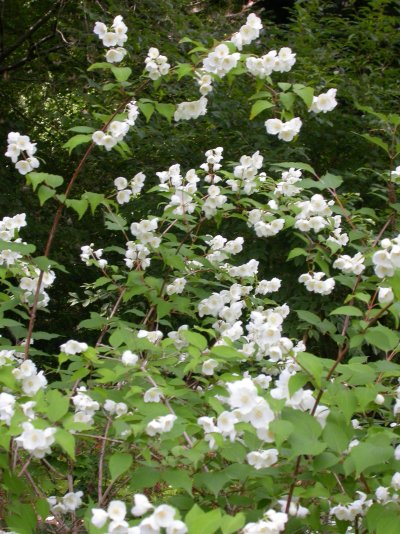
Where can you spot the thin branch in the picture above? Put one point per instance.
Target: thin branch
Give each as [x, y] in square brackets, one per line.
[101, 463]
[31, 30]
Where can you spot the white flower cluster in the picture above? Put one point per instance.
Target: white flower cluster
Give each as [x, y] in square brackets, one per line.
[262, 459]
[387, 260]
[136, 255]
[247, 406]
[30, 282]
[9, 228]
[302, 399]
[396, 407]
[205, 82]
[182, 199]
[90, 256]
[246, 270]
[69, 503]
[295, 509]
[350, 511]
[115, 38]
[221, 248]
[262, 227]
[220, 61]
[115, 408]
[7, 402]
[85, 406]
[20, 145]
[324, 102]
[286, 187]
[156, 64]
[153, 337]
[161, 424]
[144, 232]
[286, 131]
[194, 109]
[272, 523]
[214, 200]
[31, 380]
[350, 265]
[248, 32]
[73, 347]
[212, 165]
[116, 130]
[135, 186]
[265, 333]
[274, 61]
[313, 214]
[246, 174]
[36, 441]
[268, 286]
[162, 517]
[385, 495]
[315, 284]
[338, 237]
[176, 287]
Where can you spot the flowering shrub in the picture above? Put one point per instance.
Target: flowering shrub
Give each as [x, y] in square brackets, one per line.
[197, 408]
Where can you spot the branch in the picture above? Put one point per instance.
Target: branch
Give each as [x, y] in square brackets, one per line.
[31, 30]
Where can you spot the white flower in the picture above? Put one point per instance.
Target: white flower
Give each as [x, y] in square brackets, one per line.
[152, 395]
[36, 441]
[99, 517]
[142, 505]
[395, 482]
[385, 295]
[73, 347]
[209, 366]
[163, 516]
[324, 102]
[116, 510]
[72, 501]
[129, 358]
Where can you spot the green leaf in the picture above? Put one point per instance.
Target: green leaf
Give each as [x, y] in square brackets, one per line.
[146, 108]
[178, 479]
[376, 141]
[366, 455]
[287, 100]
[166, 110]
[294, 253]
[94, 199]
[66, 442]
[351, 311]
[183, 69]
[383, 519]
[305, 93]
[58, 405]
[121, 73]
[260, 106]
[102, 65]
[308, 317]
[51, 180]
[284, 86]
[231, 524]
[312, 364]
[199, 522]
[331, 181]
[82, 129]
[119, 463]
[80, 206]
[22, 248]
[195, 339]
[76, 140]
[44, 193]
[382, 337]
